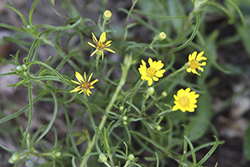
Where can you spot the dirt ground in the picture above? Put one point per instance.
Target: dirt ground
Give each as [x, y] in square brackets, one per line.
[231, 93]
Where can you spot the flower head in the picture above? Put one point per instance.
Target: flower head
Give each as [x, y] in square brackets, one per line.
[107, 15]
[100, 45]
[194, 62]
[185, 100]
[85, 85]
[154, 72]
[28, 163]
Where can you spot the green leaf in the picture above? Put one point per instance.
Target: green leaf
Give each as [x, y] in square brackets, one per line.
[246, 148]
[199, 124]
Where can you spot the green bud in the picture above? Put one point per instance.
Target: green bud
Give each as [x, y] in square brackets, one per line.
[150, 91]
[24, 67]
[164, 94]
[125, 118]
[121, 108]
[15, 156]
[25, 74]
[19, 68]
[28, 136]
[58, 154]
[102, 158]
[28, 26]
[107, 15]
[158, 128]
[162, 36]
[131, 157]
[11, 161]
[125, 122]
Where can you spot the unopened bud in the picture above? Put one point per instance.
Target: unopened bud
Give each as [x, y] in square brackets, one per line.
[150, 91]
[102, 158]
[164, 94]
[125, 118]
[24, 67]
[107, 15]
[131, 157]
[121, 108]
[158, 127]
[162, 36]
[19, 68]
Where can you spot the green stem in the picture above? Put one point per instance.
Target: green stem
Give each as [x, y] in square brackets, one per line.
[125, 68]
[173, 74]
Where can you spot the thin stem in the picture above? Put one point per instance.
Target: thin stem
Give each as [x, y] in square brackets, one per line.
[125, 68]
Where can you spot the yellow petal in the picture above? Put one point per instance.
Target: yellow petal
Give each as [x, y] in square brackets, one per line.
[90, 77]
[175, 108]
[108, 42]
[93, 82]
[103, 37]
[110, 50]
[199, 57]
[189, 70]
[190, 57]
[85, 78]
[150, 62]
[93, 53]
[79, 77]
[155, 79]
[76, 89]
[78, 83]
[91, 44]
[94, 38]
[150, 82]
[194, 55]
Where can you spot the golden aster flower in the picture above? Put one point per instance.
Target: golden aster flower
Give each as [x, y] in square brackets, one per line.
[185, 100]
[194, 62]
[154, 72]
[85, 85]
[100, 45]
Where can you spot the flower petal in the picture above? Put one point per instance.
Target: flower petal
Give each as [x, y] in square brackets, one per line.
[94, 38]
[79, 77]
[103, 37]
[110, 50]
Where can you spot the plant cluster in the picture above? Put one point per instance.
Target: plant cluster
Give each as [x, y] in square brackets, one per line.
[135, 104]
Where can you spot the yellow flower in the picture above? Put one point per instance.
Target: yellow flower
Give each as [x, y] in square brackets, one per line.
[194, 62]
[154, 72]
[100, 45]
[185, 100]
[85, 85]
[107, 15]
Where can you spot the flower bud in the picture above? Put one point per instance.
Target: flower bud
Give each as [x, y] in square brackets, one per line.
[162, 36]
[11, 161]
[131, 157]
[102, 158]
[164, 94]
[125, 122]
[25, 74]
[19, 68]
[58, 154]
[150, 91]
[125, 118]
[158, 128]
[121, 108]
[107, 15]
[15, 156]
[24, 67]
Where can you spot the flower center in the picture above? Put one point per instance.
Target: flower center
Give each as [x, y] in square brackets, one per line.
[150, 72]
[85, 85]
[100, 45]
[194, 64]
[184, 101]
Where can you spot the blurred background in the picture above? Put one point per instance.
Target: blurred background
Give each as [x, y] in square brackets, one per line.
[229, 92]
